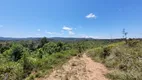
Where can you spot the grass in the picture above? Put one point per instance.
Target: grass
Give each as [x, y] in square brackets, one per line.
[124, 60]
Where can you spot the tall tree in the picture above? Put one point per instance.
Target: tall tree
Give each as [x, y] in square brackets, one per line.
[124, 34]
[43, 41]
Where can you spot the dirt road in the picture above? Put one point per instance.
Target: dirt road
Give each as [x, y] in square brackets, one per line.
[79, 68]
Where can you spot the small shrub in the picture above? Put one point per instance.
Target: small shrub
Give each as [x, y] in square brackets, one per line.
[11, 71]
[132, 43]
[106, 51]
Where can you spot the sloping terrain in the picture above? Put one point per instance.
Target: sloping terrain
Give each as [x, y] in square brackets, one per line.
[124, 59]
[79, 68]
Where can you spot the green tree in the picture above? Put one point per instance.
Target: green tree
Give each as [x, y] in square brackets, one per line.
[43, 41]
[80, 47]
[40, 53]
[16, 52]
[50, 47]
[60, 46]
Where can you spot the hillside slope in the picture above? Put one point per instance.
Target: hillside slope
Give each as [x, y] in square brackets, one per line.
[124, 59]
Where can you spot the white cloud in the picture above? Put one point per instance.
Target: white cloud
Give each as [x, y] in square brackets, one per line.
[38, 29]
[49, 32]
[94, 37]
[91, 15]
[54, 33]
[71, 33]
[67, 28]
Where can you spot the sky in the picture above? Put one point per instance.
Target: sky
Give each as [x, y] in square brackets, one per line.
[70, 18]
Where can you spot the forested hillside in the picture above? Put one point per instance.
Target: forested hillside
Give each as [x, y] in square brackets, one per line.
[28, 59]
[31, 59]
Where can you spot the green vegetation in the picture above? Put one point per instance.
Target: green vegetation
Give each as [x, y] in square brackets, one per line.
[30, 59]
[123, 59]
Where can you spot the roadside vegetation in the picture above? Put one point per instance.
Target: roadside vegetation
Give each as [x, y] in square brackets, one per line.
[30, 59]
[124, 59]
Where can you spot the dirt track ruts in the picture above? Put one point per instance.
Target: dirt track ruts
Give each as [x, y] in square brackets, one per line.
[79, 68]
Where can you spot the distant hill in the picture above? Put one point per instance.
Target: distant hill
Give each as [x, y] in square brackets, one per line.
[54, 38]
[70, 39]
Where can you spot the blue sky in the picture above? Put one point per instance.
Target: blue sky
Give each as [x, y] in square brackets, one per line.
[70, 18]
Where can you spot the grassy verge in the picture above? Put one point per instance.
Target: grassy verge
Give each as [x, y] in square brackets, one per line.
[124, 60]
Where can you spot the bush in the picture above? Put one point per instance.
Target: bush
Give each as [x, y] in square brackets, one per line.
[50, 48]
[11, 71]
[14, 53]
[132, 43]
